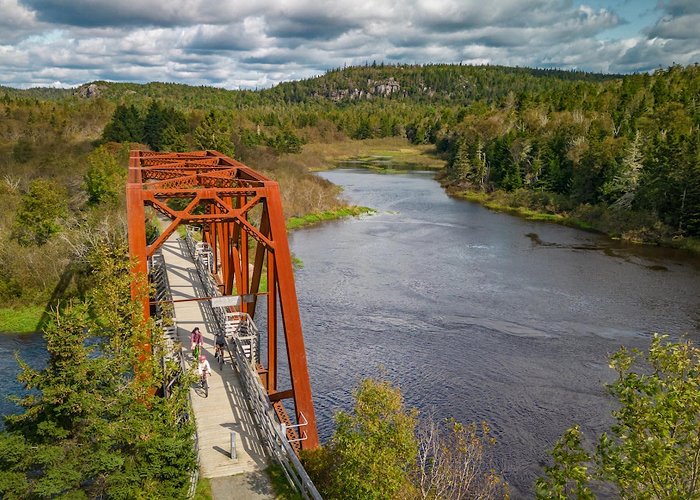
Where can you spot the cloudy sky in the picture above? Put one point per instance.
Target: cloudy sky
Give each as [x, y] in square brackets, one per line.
[258, 43]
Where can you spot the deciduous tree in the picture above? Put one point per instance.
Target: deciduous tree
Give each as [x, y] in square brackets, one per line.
[40, 212]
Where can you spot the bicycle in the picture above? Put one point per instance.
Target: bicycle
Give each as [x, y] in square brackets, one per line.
[219, 351]
[203, 384]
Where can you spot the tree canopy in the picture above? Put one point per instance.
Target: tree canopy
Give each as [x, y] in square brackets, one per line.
[90, 427]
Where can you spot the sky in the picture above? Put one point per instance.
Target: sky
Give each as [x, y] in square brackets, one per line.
[258, 43]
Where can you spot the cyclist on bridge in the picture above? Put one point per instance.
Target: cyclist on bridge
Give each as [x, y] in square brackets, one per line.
[220, 341]
[196, 342]
[204, 370]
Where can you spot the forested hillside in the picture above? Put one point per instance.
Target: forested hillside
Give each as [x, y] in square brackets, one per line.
[565, 141]
[618, 153]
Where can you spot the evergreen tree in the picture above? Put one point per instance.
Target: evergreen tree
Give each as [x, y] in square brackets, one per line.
[153, 125]
[126, 125]
[214, 133]
[623, 188]
[460, 167]
[90, 427]
[164, 128]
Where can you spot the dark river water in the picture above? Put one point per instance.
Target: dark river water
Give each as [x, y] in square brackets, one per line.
[479, 315]
[475, 315]
[32, 349]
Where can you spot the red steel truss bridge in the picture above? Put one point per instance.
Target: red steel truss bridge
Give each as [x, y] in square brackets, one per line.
[239, 213]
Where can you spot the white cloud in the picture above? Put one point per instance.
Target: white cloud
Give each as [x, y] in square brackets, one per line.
[244, 43]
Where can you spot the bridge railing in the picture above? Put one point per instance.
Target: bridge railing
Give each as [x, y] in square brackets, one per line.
[242, 345]
[165, 312]
[184, 417]
[270, 429]
[166, 320]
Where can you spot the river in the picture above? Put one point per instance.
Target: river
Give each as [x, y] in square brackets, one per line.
[479, 315]
[31, 347]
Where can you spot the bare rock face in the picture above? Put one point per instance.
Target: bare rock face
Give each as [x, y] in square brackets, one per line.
[384, 87]
[374, 88]
[89, 91]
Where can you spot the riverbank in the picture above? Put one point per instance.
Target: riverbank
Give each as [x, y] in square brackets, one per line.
[632, 227]
[327, 215]
[21, 320]
[394, 155]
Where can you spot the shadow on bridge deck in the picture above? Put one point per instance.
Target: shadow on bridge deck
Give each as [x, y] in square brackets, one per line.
[225, 409]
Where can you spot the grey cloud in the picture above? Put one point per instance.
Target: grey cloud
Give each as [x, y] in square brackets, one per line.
[652, 54]
[92, 13]
[685, 27]
[314, 27]
[279, 57]
[460, 15]
[680, 7]
[17, 23]
[231, 37]
[15, 15]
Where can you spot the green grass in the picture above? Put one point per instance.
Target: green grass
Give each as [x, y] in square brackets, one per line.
[527, 213]
[203, 490]
[24, 320]
[280, 485]
[689, 244]
[501, 201]
[315, 218]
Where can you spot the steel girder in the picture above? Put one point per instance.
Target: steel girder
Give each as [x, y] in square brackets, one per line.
[233, 203]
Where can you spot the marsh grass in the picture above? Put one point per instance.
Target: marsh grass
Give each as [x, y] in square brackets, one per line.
[322, 156]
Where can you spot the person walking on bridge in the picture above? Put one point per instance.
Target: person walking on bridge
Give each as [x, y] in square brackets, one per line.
[196, 342]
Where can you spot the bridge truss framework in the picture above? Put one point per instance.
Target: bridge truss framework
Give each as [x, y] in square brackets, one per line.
[234, 204]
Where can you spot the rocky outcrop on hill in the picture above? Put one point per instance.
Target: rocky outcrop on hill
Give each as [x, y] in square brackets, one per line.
[89, 91]
[374, 88]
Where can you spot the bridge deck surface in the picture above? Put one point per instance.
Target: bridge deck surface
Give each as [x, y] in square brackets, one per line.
[225, 409]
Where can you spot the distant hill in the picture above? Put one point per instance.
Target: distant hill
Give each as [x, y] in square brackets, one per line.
[429, 83]
[438, 82]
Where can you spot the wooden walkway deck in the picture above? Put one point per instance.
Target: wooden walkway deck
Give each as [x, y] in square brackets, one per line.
[225, 409]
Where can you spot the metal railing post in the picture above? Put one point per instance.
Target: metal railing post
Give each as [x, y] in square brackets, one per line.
[232, 453]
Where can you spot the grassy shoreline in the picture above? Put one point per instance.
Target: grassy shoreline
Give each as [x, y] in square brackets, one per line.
[25, 319]
[498, 202]
[327, 215]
